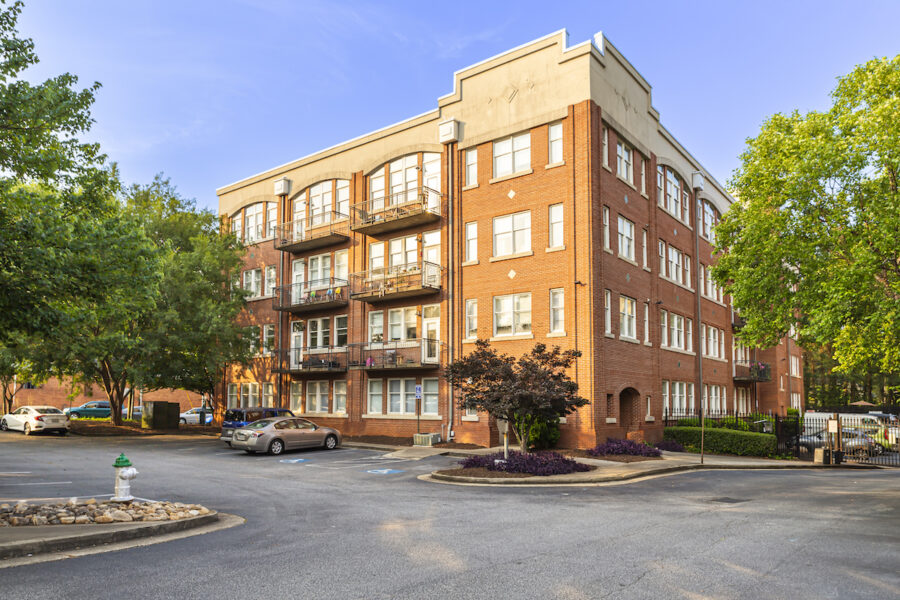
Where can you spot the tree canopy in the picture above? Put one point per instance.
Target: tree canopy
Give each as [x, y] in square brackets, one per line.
[528, 390]
[813, 242]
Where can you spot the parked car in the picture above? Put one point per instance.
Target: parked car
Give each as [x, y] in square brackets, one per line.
[277, 434]
[853, 441]
[94, 408]
[31, 419]
[235, 418]
[192, 416]
[135, 413]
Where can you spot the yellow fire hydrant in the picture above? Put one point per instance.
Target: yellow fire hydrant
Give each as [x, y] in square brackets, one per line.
[125, 472]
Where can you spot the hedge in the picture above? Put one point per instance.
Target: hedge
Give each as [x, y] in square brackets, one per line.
[724, 441]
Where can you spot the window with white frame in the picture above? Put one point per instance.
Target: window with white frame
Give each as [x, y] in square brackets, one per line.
[624, 162]
[471, 230]
[710, 220]
[795, 366]
[686, 264]
[557, 311]
[376, 326]
[342, 200]
[402, 324]
[340, 331]
[555, 144]
[512, 314]
[320, 203]
[665, 397]
[430, 396]
[375, 397]
[271, 280]
[268, 395]
[271, 218]
[661, 186]
[402, 396]
[605, 147]
[627, 325]
[431, 247]
[685, 206]
[644, 248]
[471, 319]
[341, 267]
[404, 252]
[676, 272]
[376, 190]
[472, 166]
[673, 194]
[404, 179]
[626, 238]
[688, 334]
[296, 396]
[795, 400]
[250, 394]
[253, 282]
[317, 396]
[606, 240]
[253, 339]
[740, 350]
[318, 332]
[253, 223]
[512, 154]
[607, 312]
[236, 228]
[555, 236]
[643, 176]
[512, 234]
[646, 322]
[319, 271]
[233, 399]
[662, 258]
[268, 338]
[340, 397]
[676, 331]
[376, 257]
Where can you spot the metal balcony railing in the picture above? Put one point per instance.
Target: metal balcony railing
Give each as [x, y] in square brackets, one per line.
[316, 294]
[328, 359]
[415, 206]
[400, 281]
[256, 233]
[314, 231]
[745, 370]
[397, 354]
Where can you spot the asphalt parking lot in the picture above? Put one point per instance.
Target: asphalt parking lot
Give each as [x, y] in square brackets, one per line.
[350, 523]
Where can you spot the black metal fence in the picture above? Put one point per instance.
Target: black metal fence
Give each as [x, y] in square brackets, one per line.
[860, 438]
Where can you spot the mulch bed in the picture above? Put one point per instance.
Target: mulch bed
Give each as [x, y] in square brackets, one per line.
[482, 472]
[380, 439]
[105, 428]
[623, 458]
[458, 446]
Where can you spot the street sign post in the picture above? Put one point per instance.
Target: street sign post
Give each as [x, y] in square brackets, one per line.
[503, 428]
[418, 408]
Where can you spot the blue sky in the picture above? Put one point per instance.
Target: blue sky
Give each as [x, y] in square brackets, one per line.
[209, 92]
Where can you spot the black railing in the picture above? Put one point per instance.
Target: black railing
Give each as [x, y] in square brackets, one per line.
[313, 231]
[312, 295]
[745, 370]
[329, 359]
[399, 354]
[397, 281]
[392, 211]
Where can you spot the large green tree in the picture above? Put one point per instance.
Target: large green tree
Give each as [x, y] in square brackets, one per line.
[813, 241]
[20, 365]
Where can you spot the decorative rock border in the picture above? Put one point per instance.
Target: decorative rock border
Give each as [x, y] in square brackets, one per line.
[92, 511]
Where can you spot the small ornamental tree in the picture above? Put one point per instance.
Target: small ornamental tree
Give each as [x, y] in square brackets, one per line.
[528, 390]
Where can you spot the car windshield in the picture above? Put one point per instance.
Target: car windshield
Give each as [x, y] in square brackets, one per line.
[235, 415]
[261, 423]
[49, 411]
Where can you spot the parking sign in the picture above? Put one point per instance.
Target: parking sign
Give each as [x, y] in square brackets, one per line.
[418, 392]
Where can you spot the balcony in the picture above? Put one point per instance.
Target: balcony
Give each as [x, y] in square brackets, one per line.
[303, 361]
[737, 322]
[397, 355]
[416, 206]
[314, 231]
[402, 281]
[317, 294]
[750, 371]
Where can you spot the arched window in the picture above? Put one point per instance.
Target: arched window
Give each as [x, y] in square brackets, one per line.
[673, 194]
[398, 182]
[324, 202]
[709, 218]
[255, 222]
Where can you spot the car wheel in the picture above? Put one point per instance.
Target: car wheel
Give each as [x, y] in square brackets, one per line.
[27, 429]
[228, 444]
[3, 425]
[276, 447]
[184, 421]
[74, 415]
[331, 442]
[62, 432]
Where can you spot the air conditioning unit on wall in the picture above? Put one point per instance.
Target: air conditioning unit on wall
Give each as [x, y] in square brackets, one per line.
[426, 439]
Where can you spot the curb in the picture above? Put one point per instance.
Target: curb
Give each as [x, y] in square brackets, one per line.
[94, 538]
[532, 481]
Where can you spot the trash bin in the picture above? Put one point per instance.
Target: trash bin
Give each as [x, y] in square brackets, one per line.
[160, 415]
[837, 457]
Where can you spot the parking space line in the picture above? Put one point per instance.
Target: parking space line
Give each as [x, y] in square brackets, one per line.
[35, 483]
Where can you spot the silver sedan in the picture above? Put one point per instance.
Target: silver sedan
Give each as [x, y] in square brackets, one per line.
[277, 434]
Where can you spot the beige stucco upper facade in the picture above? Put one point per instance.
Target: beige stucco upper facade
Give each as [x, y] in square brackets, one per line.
[513, 91]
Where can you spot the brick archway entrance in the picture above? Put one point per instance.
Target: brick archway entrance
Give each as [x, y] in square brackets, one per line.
[630, 411]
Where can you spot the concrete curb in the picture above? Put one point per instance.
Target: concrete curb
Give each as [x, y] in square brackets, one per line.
[569, 480]
[94, 538]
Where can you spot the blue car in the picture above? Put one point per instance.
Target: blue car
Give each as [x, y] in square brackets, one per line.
[235, 418]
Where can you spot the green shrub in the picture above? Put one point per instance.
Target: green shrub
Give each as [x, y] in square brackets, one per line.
[695, 422]
[761, 423]
[724, 441]
[544, 435]
[734, 423]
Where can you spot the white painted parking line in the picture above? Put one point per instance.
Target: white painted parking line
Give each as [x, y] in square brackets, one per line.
[36, 483]
[15, 473]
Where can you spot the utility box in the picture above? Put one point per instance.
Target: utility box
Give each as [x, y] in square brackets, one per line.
[426, 439]
[822, 456]
[160, 415]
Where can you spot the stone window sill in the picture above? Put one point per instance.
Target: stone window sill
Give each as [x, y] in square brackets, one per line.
[469, 419]
[469, 263]
[403, 417]
[556, 164]
[511, 176]
[518, 336]
[554, 249]
[511, 256]
[556, 334]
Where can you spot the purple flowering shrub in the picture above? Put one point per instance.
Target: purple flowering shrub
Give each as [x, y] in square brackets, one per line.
[627, 447]
[670, 446]
[533, 463]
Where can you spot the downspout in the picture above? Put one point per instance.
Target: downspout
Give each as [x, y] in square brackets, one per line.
[451, 247]
[281, 315]
[697, 182]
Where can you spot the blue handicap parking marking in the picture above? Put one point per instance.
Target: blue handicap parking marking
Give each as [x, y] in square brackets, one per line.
[384, 471]
[293, 460]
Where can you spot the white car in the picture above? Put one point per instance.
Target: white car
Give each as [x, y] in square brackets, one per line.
[192, 416]
[30, 419]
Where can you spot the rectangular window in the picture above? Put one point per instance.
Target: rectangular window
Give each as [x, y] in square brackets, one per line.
[512, 234]
[675, 270]
[430, 396]
[376, 326]
[795, 400]
[343, 199]
[512, 314]
[626, 238]
[660, 186]
[318, 332]
[623, 162]
[296, 396]
[250, 394]
[676, 331]
[662, 258]
[607, 312]
[643, 176]
[253, 282]
[646, 322]
[557, 311]
[404, 252]
[376, 257]
[606, 228]
[375, 397]
[644, 248]
[340, 331]
[253, 223]
[402, 324]
[270, 280]
[471, 319]
[665, 396]
[686, 207]
[605, 147]
[795, 366]
[271, 218]
[471, 241]
[268, 395]
[556, 144]
[317, 396]
[627, 326]
[254, 334]
[688, 334]
[512, 154]
[687, 270]
[402, 396]
[236, 226]
[232, 395]
[341, 267]
[340, 396]
[268, 338]
[663, 328]
[472, 166]
[673, 194]
[319, 272]
[556, 226]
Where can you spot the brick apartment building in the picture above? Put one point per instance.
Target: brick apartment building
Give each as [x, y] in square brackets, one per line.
[541, 201]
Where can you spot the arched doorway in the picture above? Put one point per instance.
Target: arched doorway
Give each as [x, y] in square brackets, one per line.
[630, 409]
